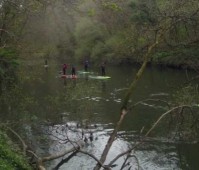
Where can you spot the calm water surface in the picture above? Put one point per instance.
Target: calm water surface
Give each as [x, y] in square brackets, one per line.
[55, 108]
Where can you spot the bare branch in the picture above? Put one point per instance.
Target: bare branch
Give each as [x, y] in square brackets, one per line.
[152, 128]
[155, 100]
[92, 156]
[21, 140]
[126, 164]
[163, 115]
[34, 154]
[58, 155]
[65, 160]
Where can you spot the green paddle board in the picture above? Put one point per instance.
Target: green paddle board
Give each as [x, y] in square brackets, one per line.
[84, 72]
[99, 77]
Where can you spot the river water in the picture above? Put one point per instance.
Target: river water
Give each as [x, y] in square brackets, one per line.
[52, 109]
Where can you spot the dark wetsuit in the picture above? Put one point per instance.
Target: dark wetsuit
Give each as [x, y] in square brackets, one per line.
[73, 71]
[86, 65]
[64, 69]
[103, 72]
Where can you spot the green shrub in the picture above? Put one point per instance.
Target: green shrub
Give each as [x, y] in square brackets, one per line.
[11, 158]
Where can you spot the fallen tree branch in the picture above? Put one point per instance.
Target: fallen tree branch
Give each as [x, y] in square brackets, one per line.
[56, 156]
[65, 160]
[126, 164]
[92, 156]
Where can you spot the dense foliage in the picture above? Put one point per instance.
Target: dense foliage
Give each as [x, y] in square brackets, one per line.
[8, 68]
[121, 31]
[112, 30]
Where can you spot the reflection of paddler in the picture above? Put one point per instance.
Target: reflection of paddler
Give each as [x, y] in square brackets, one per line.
[46, 64]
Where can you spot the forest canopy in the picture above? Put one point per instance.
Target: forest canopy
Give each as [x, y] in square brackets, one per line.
[117, 31]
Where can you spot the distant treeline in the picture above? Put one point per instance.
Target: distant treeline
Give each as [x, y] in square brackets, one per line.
[121, 31]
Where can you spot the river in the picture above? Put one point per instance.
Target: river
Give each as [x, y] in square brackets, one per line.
[51, 109]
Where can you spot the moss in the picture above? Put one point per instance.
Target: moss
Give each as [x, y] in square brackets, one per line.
[10, 157]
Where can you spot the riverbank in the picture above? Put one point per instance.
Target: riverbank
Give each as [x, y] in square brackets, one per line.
[181, 58]
[177, 59]
[10, 156]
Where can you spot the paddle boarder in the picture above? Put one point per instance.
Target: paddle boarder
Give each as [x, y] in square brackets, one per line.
[73, 71]
[103, 72]
[46, 64]
[86, 64]
[64, 69]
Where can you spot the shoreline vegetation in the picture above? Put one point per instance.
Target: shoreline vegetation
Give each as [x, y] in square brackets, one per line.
[165, 59]
[10, 155]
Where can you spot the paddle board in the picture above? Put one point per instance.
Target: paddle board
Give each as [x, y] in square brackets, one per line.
[100, 77]
[84, 72]
[69, 76]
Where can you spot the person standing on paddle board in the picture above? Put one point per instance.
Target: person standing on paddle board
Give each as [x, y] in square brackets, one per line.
[103, 72]
[64, 69]
[86, 64]
[73, 71]
[46, 65]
